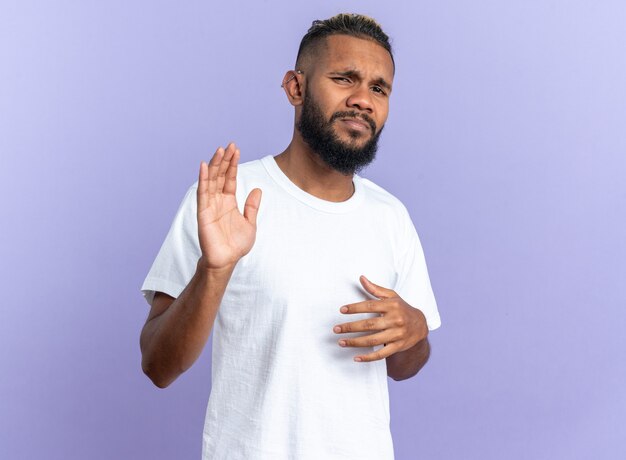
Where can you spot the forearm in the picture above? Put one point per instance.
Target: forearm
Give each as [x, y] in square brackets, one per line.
[405, 364]
[172, 341]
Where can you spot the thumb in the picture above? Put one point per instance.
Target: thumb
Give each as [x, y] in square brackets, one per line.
[376, 290]
[251, 208]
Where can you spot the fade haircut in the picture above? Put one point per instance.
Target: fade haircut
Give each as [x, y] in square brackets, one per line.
[354, 25]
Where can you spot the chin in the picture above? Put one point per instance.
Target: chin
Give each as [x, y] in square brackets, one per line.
[353, 138]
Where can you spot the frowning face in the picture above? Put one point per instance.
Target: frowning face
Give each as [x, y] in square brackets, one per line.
[346, 101]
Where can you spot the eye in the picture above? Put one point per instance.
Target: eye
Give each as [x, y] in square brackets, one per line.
[379, 90]
[341, 79]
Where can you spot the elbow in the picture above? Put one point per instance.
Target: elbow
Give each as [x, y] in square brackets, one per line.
[158, 381]
[154, 366]
[407, 364]
[161, 384]
[156, 375]
[398, 377]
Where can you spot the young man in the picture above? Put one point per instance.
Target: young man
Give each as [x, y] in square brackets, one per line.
[315, 293]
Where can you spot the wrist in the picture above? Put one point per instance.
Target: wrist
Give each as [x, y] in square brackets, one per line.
[205, 268]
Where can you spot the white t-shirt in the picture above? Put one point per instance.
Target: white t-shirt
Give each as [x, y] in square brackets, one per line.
[282, 386]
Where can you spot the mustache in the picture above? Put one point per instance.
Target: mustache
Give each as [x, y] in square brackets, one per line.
[352, 114]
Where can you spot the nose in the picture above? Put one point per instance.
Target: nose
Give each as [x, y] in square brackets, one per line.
[361, 99]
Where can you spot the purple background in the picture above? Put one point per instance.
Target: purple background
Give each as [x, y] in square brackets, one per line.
[506, 140]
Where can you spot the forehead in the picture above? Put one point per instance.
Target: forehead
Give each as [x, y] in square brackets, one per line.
[343, 52]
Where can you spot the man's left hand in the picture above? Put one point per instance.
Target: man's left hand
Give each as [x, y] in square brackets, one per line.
[399, 326]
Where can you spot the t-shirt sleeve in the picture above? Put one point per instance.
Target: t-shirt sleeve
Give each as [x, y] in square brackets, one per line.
[413, 282]
[176, 261]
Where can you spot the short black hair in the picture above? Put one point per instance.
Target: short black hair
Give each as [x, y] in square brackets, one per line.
[355, 25]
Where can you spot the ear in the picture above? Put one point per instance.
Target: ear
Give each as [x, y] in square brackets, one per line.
[293, 86]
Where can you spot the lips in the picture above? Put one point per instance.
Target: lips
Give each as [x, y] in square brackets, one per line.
[355, 121]
[356, 124]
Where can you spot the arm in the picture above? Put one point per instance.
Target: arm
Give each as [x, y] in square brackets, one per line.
[177, 329]
[406, 364]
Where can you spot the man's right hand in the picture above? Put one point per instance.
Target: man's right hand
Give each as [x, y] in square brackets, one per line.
[225, 234]
[177, 328]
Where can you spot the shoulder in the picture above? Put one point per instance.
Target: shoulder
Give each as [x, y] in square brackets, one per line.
[391, 214]
[382, 200]
[252, 168]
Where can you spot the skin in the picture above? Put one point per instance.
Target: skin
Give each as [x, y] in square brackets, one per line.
[176, 330]
[344, 74]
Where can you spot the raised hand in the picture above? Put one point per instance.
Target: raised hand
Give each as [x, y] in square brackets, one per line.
[399, 326]
[225, 234]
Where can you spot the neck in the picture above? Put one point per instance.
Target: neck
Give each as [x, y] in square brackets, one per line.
[308, 171]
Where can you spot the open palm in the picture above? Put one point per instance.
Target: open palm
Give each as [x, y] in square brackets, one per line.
[225, 234]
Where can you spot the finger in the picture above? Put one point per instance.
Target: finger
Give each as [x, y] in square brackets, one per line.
[213, 168]
[371, 340]
[376, 290]
[223, 166]
[377, 355]
[203, 186]
[251, 208]
[230, 184]
[369, 324]
[366, 306]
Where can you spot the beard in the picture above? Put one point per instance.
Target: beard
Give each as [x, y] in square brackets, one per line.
[344, 157]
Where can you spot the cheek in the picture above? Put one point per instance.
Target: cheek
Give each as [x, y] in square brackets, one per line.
[382, 113]
[335, 99]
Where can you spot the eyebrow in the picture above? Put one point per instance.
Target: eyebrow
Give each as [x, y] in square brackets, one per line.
[355, 73]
